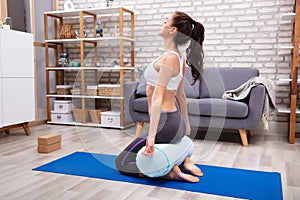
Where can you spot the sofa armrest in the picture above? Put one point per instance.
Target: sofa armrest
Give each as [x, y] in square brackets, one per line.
[256, 104]
[129, 96]
[130, 89]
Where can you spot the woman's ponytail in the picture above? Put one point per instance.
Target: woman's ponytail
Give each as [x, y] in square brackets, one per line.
[194, 53]
[192, 30]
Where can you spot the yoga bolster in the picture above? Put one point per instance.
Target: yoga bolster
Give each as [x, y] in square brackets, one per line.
[165, 157]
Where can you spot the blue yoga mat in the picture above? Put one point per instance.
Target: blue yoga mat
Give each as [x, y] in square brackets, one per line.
[238, 183]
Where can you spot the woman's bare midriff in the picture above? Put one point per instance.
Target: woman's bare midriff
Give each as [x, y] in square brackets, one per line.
[168, 103]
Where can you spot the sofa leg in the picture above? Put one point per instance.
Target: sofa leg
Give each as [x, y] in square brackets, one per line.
[139, 129]
[251, 133]
[243, 134]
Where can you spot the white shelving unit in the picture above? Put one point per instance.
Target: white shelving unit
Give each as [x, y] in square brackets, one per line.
[292, 18]
[59, 18]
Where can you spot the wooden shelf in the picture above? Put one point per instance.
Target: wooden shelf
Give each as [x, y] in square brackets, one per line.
[285, 81]
[287, 110]
[89, 124]
[81, 96]
[103, 11]
[288, 47]
[89, 68]
[288, 16]
[77, 40]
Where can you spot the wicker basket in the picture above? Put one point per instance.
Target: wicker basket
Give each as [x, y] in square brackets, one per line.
[92, 90]
[63, 89]
[77, 114]
[95, 115]
[67, 32]
[75, 91]
[108, 90]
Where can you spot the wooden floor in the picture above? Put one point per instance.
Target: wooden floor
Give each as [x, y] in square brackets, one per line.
[267, 151]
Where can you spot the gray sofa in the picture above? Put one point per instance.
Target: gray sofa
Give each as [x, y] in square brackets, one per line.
[206, 107]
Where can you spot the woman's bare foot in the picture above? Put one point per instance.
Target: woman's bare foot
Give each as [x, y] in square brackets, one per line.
[176, 174]
[191, 167]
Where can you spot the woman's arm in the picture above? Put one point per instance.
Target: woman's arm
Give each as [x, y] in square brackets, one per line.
[181, 100]
[165, 73]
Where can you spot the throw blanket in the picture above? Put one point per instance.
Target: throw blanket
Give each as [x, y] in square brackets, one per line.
[243, 91]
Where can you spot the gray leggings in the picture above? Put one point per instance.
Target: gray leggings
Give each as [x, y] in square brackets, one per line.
[170, 129]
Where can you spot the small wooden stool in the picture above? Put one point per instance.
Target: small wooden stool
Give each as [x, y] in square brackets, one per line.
[49, 143]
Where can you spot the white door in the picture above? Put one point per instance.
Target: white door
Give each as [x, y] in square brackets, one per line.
[18, 100]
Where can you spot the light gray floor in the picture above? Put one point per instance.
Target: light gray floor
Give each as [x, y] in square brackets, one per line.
[267, 151]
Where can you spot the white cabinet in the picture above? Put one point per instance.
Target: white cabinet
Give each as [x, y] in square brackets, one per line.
[1, 117]
[18, 100]
[17, 97]
[17, 55]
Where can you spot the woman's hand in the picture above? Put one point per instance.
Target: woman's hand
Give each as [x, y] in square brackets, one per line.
[188, 129]
[149, 150]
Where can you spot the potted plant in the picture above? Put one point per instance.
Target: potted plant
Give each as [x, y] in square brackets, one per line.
[6, 26]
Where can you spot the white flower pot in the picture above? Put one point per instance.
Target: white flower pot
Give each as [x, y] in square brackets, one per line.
[6, 27]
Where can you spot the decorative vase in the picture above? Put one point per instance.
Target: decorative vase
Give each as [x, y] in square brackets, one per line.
[108, 3]
[69, 5]
[99, 29]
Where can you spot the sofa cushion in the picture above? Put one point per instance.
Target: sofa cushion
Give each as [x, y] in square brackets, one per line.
[215, 81]
[217, 108]
[141, 105]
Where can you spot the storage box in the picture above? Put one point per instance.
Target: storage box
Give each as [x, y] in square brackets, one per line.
[95, 115]
[92, 90]
[49, 148]
[63, 89]
[110, 118]
[77, 114]
[61, 117]
[49, 139]
[108, 90]
[62, 106]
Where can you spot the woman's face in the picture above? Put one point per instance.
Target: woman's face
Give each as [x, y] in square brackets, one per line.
[166, 26]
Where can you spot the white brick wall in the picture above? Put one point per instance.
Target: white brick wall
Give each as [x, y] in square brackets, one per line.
[239, 33]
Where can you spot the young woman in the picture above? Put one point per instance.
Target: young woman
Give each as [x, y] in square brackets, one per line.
[165, 79]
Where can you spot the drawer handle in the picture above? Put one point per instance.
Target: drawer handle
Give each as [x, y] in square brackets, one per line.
[60, 106]
[58, 116]
[110, 119]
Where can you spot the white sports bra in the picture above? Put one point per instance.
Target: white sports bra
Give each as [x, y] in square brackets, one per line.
[151, 75]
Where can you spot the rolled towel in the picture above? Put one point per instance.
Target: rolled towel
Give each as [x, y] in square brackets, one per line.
[165, 157]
